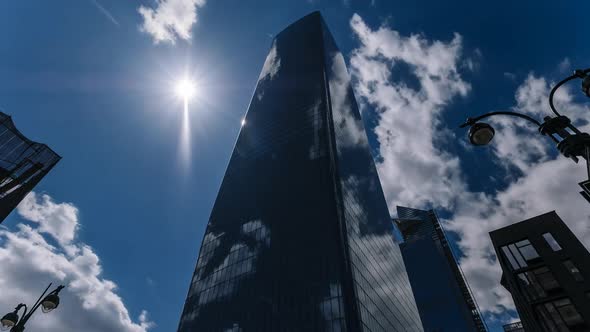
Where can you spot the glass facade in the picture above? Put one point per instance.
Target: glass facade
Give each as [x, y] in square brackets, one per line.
[299, 238]
[23, 163]
[520, 253]
[560, 316]
[443, 297]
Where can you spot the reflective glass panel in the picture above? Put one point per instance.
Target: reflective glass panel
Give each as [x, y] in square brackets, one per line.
[573, 270]
[551, 241]
[546, 279]
[510, 258]
[528, 252]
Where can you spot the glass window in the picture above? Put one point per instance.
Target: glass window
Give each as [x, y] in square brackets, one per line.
[551, 241]
[568, 312]
[546, 279]
[573, 269]
[554, 316]
[527, 250]
[510, 258]
[529, 286]
[545, 319]
[519, 253]
[559, 315]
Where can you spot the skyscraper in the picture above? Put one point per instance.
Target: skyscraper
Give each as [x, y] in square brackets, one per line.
[442, 294]
[23, 163]
[299, 238]
[547, 271]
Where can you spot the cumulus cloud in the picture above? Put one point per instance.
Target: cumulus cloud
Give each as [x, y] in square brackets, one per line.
[57, 220]
[417, 171]
[45, 250]
[546, 181]
[170, 20]
[413, 171]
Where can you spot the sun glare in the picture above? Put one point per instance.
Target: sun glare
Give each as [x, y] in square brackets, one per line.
[185, 89]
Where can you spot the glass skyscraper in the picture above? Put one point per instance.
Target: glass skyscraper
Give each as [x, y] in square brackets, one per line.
[23, 163]
[300, 238]
[442, 294]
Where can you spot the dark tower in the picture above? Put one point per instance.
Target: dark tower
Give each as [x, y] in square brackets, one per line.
[546, 269]
[300, 238]
[442, 294]
[23, 163]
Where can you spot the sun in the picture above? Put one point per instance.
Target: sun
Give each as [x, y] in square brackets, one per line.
[185, 89]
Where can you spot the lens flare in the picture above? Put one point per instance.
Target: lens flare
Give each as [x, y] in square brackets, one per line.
[185, 89]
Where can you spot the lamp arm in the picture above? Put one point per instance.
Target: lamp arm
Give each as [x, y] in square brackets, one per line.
[577, 74]
[471, 121]
[34, 307]
[24, 313]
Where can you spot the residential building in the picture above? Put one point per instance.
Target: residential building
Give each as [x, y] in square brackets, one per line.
[547, 271]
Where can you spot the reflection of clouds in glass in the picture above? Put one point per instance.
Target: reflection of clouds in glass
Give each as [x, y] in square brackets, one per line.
[315, 114]
[378, 268]
[271, 64]
[239, 252]
[222, 280]
[352, 130]
[258, 231]
[350, 196]
[332, 308]
[210, 243]
[270, 69]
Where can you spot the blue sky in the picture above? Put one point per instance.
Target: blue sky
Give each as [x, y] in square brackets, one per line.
[94, 81]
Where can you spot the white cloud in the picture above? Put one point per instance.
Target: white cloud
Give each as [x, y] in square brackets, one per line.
[416, 171]
[548, 182]
[413, 171]
[30, 260]
[170, 20]
[58, 220]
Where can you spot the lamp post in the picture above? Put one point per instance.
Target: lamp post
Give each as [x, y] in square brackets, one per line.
[571, 142]
[48, 303]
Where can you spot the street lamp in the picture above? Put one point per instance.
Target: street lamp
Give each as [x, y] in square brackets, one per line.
[571, 142]
[47, 304]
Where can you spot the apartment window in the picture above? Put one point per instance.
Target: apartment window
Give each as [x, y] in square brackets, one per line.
[551, 241]
[519, 253]
[529, 286]
[573, 269]
[535, 284]
[559, 315]
[546, 279]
